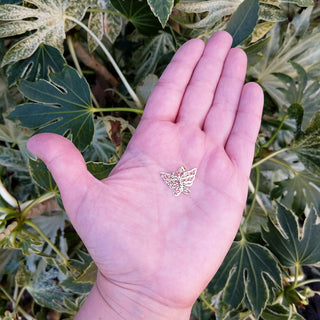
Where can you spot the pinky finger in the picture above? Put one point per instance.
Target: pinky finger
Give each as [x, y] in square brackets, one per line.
[241, 142]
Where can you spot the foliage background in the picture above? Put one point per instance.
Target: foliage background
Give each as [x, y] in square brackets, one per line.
[57, 76]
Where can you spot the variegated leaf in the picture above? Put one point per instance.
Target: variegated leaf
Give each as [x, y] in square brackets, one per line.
[112, 26]
[48, 23]
[215, 11]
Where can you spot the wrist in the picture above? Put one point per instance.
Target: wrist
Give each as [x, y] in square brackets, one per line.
[110, 301]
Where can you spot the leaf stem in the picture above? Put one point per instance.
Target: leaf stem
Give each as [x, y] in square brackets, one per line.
[114, 64]
[206, 302]
[256, 187]
[7, 197]
[139, 111]
[77, 65]
[28, 205]
[285, 165]
[20, 310]
[267, 144]
[303, 283]
[36, 228]
[271, 155]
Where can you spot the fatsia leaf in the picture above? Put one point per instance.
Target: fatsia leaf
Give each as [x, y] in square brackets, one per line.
[47, 20]
[243, 21]
[161, 9]
[298, 191]
[243, 274]
[46, 59]
[215, 9]
[297, 43]
[152, 52]
[61, 105]
[292, 245]
[307, 145]
[139, 14]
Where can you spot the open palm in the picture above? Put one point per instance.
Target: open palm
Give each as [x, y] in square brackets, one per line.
[146, 241]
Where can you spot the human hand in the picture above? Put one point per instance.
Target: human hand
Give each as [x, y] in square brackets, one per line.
[156, 252]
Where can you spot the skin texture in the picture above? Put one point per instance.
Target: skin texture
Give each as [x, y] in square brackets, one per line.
[156, 252]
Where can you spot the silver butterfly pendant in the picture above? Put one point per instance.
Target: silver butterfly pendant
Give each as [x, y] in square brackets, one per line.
[180, 181]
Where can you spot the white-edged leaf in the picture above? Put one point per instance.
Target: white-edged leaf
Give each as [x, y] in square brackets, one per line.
[161, 9]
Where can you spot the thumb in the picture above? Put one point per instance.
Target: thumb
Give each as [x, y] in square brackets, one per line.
[67, 166]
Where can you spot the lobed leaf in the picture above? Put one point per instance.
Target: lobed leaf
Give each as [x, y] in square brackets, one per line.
[214, 9]
[46, 59]
[139, 14]
[243, 275]
[61, 105]
[298, 191]
[48, 23]
[292, 245]
[307, 145]
[297, 44]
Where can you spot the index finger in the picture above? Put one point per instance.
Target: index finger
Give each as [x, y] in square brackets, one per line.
[164, 102]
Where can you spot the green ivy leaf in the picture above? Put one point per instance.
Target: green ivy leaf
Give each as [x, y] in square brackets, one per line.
[297, 192]
[139, 14]
[279, 312]
[292, 245]
[243, 21]
[61, 105]
[161, 9]
[38, 66]
[41, 175]
[47, 21]
[243, 274]
[100, 170]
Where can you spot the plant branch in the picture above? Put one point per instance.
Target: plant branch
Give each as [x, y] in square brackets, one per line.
[271, 155]
[20, 310]
[285, 165]
[28, 205]
[255, 193]
[206, 302]
[36, 228]
[303, 283]
[267, 144]
[114, 64]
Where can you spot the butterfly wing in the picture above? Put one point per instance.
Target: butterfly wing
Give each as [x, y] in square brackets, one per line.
[171, 180]
[188, 177]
